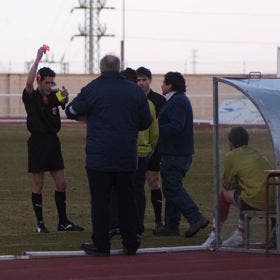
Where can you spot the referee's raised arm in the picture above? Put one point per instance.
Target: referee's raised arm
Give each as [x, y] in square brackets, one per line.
[32, 73]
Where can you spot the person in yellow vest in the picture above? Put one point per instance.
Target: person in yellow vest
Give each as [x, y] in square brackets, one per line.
[147, 140]
[243, 184]
[144, 80]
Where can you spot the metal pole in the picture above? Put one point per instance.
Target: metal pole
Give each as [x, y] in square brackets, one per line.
[90, 55]
[277, 203]
[123, 39]
[216, 167]
[122, 55]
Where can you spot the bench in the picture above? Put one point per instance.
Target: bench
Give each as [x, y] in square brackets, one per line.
[272, 179]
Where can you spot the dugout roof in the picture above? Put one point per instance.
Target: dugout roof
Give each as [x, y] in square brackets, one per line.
[264, 93]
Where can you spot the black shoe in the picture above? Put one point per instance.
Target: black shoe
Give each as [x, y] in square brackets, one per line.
[69, 226]
[129, 252]
[194, 228]
[91, 250]
[41, 228]
[130, 248]
[113, 232]
[166, 231]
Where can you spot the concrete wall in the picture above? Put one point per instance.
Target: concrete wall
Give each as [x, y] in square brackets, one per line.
[199, 88]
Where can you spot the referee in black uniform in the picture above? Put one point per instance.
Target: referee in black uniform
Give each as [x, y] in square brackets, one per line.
[44, 149]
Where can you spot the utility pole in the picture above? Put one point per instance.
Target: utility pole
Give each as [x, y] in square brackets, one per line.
[123, 37]
[185, 66]
[244, 67]
[92, 31]
[194, 60]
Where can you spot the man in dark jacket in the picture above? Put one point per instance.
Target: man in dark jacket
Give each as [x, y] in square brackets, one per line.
[176, 147]
[115, 110]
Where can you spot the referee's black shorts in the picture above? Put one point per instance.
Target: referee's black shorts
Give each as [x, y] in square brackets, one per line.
[44, 153]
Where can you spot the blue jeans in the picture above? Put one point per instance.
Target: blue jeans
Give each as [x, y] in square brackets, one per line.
[173, 169]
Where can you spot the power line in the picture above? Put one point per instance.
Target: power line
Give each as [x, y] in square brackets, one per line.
[57, 16]
[204, 13]
[174, 40]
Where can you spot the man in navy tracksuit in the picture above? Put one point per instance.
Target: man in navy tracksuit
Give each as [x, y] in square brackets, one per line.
[115, 110]
[176, 147]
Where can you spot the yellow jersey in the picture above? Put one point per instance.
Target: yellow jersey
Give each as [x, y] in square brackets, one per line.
[244, 168]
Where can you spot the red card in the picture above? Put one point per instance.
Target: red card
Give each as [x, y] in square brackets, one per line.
[46, 47]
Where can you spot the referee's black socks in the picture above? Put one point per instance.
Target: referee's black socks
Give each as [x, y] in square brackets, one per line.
[156, 199]
[38, 206]
[60, 200]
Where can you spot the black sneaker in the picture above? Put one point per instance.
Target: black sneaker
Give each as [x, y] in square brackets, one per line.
[195, 228]
[166, 231]
[69, 226]
[129, 248]
[41, 228]
[90, 249]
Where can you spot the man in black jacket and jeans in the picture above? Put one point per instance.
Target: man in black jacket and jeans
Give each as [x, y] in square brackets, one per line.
[115, 110]
[176, 147]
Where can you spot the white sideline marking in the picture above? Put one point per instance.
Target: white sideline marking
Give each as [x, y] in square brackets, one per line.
[114, 252]
[13, 257]
[7, 257]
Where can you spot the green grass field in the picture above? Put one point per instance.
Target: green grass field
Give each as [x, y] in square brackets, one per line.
[17, 221]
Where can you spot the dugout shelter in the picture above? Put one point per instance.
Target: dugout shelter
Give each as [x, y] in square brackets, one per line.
[264, 93]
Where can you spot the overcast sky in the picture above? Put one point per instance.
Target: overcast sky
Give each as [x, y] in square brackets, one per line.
[220, 36]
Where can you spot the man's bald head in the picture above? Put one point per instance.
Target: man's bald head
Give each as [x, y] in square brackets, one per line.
[110, 63]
